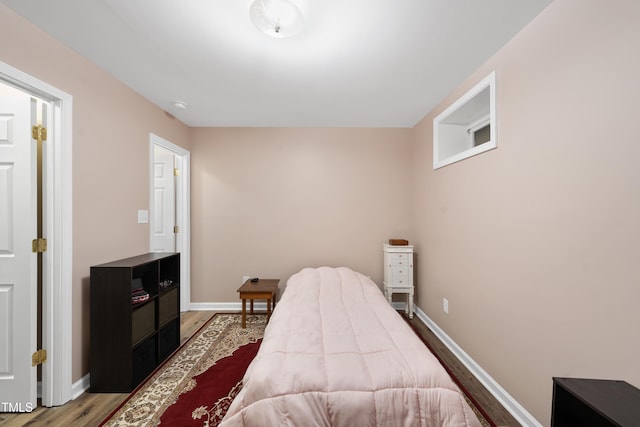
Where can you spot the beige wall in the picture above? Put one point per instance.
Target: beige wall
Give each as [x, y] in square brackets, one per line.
[111, 126]
[268, 202]
[535, 244]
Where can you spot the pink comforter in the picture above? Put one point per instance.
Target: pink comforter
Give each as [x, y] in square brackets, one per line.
[335, 353]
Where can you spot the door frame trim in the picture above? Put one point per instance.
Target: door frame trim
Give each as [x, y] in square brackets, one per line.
[58, 265]
[184, 212]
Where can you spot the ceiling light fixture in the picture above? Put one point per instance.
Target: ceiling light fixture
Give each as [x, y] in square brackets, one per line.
[180, 105]
[277, 18]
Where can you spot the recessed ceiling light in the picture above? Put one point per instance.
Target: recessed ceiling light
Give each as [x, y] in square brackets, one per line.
[180, 105]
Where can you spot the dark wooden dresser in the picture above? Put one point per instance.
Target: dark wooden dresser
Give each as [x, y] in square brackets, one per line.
[587, 403]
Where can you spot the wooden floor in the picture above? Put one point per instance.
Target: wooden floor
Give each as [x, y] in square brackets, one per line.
[484, 399]
[90, 409]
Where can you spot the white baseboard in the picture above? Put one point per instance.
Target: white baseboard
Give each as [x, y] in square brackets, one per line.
[225, 307]
[80, 386]
[510, 404]
[77, 388]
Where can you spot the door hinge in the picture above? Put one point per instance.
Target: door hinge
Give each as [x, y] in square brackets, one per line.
[39, 245]
[39, 133]
[176, 172]
[176, 229]
[39, 357]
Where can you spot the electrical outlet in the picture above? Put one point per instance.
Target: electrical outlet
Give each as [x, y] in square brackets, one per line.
[245, 278]
[445, 305]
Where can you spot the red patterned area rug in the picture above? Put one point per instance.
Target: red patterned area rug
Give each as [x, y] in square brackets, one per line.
[197, 384]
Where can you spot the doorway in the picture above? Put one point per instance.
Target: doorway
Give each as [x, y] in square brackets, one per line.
[169, 216]
[56, 379]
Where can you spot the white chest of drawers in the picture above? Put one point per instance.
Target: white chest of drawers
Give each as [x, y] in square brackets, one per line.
[398, 273]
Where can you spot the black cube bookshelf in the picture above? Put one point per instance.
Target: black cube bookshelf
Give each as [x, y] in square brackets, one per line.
[129, 340]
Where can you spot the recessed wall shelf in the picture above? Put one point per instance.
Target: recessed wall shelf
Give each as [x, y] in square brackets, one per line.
[468, 126]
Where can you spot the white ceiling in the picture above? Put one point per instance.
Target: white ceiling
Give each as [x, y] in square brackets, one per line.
[357, 63]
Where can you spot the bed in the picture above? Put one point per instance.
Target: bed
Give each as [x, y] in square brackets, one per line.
[335, 353]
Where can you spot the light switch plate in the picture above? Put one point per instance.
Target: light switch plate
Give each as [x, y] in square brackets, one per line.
[143, 217]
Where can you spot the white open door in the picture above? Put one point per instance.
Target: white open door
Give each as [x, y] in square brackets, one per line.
[18, 292]
[170, 205]
[163, 218]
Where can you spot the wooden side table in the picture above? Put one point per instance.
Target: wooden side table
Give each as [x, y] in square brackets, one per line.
[262, 289]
